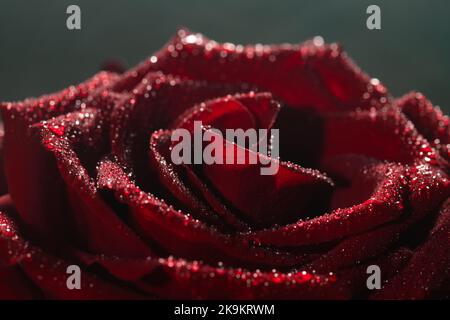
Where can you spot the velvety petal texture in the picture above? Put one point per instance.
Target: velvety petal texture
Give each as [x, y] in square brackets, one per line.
[90, 180]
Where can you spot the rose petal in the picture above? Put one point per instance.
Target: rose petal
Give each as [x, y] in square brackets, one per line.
[221, 114]
[182, 235]
[429, 120]
[427, 189]
[362, 247]
[384, 135]
[182, 279]
[356, 276]
[99, 228]
[156, 101]
[240, 111]
[214, 201]
[43, 209]
[265, 199]
[385, 203]
[3, 183]
[310, 74]
[427, 269]
[359, 178]
[171, 177]
[15, 285]
[48, 273]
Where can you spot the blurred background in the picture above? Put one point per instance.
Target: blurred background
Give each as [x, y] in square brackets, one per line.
[38, 54]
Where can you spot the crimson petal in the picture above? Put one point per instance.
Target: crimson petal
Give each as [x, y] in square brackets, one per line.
[15, 285]
[3, 183]
[240, 111]
[427, 188]
[49, 273]
[99, 227]
[182, 235]
[385, 135]
[310, 74]
[42, 209]
[383, 204]
[265, 199]
[183, 279]
[428, 268]
[170, 177]
[156, 101]
[429, 120]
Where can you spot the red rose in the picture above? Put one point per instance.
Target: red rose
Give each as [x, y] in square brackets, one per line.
[362, 180]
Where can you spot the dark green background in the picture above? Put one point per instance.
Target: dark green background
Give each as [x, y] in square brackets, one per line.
[38, 54]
